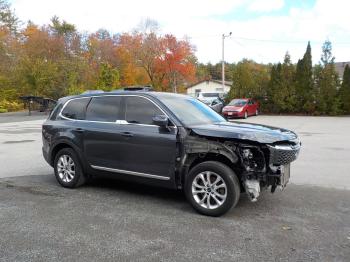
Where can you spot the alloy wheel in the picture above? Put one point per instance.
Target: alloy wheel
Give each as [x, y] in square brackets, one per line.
[66, 168]
[209, 190]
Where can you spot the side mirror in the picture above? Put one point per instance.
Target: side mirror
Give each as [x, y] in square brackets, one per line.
[161, 120]
[214, 103]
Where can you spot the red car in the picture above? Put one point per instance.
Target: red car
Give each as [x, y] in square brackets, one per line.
[242, 107]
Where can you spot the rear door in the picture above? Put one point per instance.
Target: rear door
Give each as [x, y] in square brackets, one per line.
[146, 148]
[102, 133]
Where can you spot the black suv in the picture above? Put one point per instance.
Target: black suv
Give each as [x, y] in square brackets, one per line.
[167, 140]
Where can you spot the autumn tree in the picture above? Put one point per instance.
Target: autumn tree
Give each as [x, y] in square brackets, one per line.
[177, 62]
[131, 72]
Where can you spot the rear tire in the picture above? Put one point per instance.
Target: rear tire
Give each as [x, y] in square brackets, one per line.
[68, 170]
[216, 197]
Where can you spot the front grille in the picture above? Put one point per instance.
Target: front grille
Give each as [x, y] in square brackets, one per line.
[283, 154]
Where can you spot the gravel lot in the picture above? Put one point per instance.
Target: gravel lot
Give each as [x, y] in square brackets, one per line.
[112, 220]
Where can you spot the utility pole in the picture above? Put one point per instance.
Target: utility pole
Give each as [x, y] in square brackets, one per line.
[223, 58]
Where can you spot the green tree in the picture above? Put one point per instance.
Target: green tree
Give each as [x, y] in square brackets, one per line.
[304, 87]
[7, 18]
[288, 85]
[250, 79]
[327, 83]
[281, 87]
[108, 78]
[345, 90]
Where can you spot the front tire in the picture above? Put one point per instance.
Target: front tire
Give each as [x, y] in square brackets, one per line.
[68, 170]
[245, 114]
[212, 188]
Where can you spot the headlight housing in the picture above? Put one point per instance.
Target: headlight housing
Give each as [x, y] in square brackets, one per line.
[252, 158]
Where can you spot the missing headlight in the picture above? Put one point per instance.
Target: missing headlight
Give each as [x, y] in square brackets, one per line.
[252, 158]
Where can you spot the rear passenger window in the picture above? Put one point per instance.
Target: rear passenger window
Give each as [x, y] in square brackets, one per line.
[75, 109]
[140, 110]
[104, 109]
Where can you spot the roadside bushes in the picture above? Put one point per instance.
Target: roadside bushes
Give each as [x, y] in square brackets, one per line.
[7, 106]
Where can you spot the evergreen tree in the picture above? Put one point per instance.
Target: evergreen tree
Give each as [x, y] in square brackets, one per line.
[288, 85]
[345, 90]
[7, 18]
[327, 83]
[304, 83]
[327, 57]
[274, 89]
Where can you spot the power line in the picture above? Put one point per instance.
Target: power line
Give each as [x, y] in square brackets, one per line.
[266, 40]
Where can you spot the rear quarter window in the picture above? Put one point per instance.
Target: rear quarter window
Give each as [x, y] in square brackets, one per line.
[75, 109]
[54, 113]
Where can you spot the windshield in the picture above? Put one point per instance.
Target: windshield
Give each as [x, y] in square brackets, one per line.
[190, 111]
[210, 94]
[238, 102]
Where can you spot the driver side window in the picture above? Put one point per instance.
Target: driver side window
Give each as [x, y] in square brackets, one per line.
[140, 110]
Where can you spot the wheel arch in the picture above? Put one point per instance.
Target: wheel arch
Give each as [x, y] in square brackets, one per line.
[195, 159]
[64, 144]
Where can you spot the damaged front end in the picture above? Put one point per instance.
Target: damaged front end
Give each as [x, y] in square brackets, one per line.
[258, 165]
[266, 166]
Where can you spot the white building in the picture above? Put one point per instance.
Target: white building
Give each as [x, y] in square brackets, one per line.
[340, 67]
[209, 86]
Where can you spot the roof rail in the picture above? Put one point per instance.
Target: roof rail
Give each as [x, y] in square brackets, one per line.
[92, 92]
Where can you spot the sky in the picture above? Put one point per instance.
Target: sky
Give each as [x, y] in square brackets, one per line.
[262, 30]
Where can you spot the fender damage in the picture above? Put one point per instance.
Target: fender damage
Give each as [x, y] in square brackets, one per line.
[257, 162]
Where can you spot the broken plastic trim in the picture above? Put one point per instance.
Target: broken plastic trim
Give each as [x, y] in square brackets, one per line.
[201, 145]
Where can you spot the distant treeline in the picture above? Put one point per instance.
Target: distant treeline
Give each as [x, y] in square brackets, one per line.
[56, 60]
[289, 88]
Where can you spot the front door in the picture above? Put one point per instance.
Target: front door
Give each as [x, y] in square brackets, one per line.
[146, 148]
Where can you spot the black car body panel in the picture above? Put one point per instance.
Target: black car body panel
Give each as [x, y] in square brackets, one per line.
[163, 155]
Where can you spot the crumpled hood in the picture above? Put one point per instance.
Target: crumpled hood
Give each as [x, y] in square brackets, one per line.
[245, 131]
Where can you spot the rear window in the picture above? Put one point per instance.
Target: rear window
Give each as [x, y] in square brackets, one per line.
[75, 109]
[104, 109]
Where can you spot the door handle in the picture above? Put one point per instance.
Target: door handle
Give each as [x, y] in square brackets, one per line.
[79, 130]
[127, 134]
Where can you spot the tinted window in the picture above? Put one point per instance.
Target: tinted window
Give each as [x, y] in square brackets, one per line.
[55, 112]
[75, 109]
[140, 110]
[104, 109]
